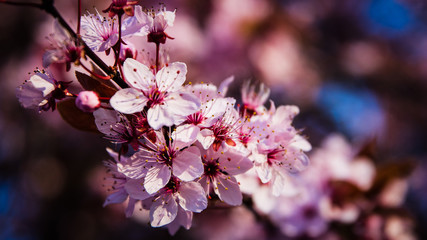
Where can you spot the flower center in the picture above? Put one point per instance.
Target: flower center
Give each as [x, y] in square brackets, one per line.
[155, 97]
[272, 156]
[173, 185]
[212, 168]
[166, 155]
[195, 118]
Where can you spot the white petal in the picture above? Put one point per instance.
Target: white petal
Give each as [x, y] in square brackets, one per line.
[163, 211]
[229, 190]
[301, 143]
[206, 138]
[133, 27]
[143, 17]
[135, 189]
[172, 77]
[185, 135]
[284, 115]
[157, 177]
[137, 75]
[169, 17]
[278, 183]
[180, 105]
[158, 116]
[264, 172]
[128, 101]
[32, 93]
[188, 165]
[214, 110]
[192, 197]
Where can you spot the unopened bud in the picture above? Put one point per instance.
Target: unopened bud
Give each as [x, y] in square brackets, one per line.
[88, 101]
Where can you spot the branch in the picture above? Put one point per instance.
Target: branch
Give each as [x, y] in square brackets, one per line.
[47, 5]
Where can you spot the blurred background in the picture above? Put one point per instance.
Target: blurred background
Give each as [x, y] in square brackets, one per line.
[357, 68]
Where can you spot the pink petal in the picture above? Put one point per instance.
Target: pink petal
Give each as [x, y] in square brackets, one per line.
[137, 75]
[228, 190]
[135, 189]
[130, 208]
[116, 197]
[105, 119]
[188, 165]
[235, 162]
[223, 87]
[128, 101]
[171, 78]
[183, 218]
[205, 183]
[192, 197]
[163, 211]
[134, 168]
[157, 177]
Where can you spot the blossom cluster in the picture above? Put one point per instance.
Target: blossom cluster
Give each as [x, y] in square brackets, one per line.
[179, 144]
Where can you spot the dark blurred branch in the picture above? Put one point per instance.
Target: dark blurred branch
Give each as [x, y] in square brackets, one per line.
[47, 5]
[36, 5]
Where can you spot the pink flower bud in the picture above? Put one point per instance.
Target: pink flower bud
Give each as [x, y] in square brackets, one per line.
[88, 101]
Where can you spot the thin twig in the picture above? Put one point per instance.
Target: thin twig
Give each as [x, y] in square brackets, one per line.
[79, 15]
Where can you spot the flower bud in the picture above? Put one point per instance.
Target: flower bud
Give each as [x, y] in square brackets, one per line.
[88, 101]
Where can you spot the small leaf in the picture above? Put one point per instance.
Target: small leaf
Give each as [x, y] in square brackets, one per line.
[92, 84]
[75, 117]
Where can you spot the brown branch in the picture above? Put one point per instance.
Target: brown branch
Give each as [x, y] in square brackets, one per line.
[47, 5]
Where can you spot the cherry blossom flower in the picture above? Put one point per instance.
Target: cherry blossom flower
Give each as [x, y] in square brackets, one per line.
[168, 104]
[176, 194]
[41, 91]
[253, 102]
[213, 103]
[63, 48]
[219, 172]
[102, 33]
[157, 23]
[121, 186]
[158, 162]
[299, 215]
